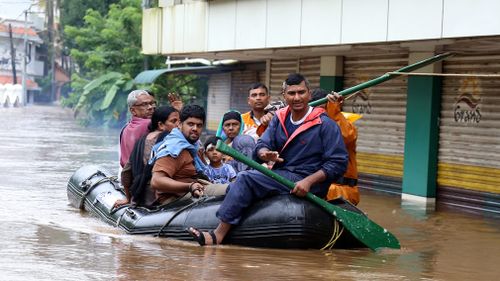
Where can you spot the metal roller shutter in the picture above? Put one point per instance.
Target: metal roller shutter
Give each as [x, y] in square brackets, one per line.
[279, 71]
[219, 88]
[262, 77]
[240, 80]
[381, 131]
[309, 67]
[469, 143]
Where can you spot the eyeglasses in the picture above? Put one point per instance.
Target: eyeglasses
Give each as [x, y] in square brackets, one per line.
[146, 104]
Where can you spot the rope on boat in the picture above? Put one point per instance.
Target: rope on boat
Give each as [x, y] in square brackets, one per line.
[121, 217]
[445, 74]
[190, 205]
[88, 186]
[337, 232]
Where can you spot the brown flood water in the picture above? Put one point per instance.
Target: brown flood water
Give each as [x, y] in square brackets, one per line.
[43, 238]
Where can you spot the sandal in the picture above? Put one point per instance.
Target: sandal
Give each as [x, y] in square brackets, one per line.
[200, 238]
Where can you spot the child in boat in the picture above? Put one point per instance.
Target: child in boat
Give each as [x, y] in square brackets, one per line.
[217, 171]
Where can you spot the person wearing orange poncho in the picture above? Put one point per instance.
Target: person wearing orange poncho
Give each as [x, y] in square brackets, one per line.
[347, 186]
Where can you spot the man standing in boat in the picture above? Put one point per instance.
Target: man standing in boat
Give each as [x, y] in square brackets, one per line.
[177, 164]
[307, 148]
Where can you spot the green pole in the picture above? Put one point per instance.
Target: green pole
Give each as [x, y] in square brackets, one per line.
[385, 77]
[360, 226]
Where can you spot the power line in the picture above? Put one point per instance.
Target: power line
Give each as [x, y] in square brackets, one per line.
[27, 9]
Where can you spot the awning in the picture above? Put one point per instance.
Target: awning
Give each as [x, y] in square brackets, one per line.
[149, 76]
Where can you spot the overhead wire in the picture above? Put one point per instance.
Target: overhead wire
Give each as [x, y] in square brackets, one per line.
[32, 3]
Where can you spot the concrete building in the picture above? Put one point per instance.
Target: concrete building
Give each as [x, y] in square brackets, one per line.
[429, 138]
[10, 90]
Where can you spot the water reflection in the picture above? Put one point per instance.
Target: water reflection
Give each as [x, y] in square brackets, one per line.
[43, 238]
[419, 210]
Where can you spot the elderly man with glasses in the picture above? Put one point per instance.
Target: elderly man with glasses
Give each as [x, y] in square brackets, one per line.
[141, 105]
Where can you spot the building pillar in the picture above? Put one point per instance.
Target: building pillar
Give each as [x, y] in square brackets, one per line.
[331, 73]
[422, 133]
[268, 75]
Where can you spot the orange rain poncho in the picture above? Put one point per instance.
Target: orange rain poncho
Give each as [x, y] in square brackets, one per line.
[350, 135]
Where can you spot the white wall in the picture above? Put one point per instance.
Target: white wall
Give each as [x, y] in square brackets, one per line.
[471, 17]
[6, 57]
[251, 21]
[283, 23]
[321, 22]
[184, 28]
[34, 67]
[414, 20]
[251, 24]
[221, 26]
[364, 21]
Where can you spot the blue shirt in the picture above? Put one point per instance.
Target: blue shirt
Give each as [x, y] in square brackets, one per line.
[315, 144]
[223, 174]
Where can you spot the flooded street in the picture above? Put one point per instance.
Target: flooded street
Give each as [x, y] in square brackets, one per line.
[44, 238]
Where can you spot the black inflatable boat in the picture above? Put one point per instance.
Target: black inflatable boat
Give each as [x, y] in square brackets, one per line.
[276, 222]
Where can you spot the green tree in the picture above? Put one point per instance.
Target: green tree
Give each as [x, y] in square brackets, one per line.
[107, 52]
[71, 10]
[110, 42]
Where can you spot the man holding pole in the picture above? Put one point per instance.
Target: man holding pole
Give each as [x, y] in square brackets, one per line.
[304, 123]
[307, 148]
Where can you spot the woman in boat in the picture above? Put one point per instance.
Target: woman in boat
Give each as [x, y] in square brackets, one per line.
[231, 132]
[136, 174]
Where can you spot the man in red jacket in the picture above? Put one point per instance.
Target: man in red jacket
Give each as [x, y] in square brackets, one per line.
[307, 148]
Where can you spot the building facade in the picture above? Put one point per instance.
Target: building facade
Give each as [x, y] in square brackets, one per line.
[427, 137]
[12, 39]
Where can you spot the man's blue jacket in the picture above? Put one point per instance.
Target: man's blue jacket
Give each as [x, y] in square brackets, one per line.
[316, 144]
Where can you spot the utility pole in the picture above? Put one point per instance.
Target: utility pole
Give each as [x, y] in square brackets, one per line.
[25, 47]
[50, 26]
[12, 56]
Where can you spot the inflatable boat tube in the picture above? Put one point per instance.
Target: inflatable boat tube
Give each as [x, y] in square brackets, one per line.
[283, 221]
